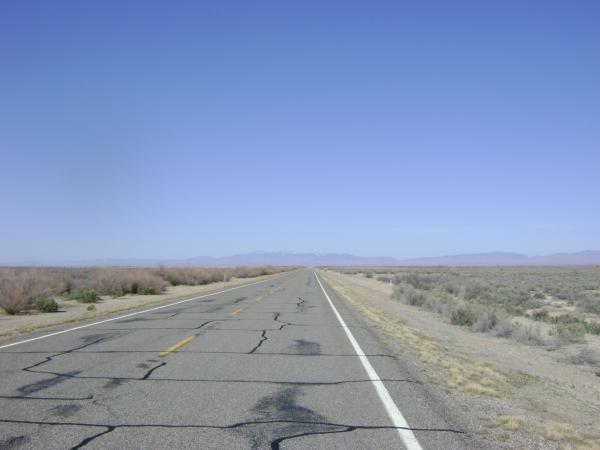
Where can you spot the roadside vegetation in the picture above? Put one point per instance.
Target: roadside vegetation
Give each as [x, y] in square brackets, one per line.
[24, 289]
[546, 306]
[517, 347]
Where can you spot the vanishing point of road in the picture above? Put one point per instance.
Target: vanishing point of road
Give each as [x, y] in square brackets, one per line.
[281, 363]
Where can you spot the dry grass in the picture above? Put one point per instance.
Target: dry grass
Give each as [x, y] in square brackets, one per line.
[511, 423]
[556, 431]
[478, 378]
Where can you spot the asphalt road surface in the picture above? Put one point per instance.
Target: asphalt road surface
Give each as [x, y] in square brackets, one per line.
[275, 364]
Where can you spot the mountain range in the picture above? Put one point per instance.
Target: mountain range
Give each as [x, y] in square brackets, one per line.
[588, 257]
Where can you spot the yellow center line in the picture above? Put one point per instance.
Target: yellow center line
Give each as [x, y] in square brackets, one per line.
[237, 311]
[174, 347]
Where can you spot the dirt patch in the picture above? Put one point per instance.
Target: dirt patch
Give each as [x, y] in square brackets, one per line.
[521, 396]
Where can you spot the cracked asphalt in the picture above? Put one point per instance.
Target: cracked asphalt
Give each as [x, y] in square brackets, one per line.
[262, 366]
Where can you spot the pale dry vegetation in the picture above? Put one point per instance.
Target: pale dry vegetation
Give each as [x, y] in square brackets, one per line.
[558, 305]
[23, 288]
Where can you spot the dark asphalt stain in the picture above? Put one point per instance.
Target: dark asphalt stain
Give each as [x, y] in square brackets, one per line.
[303, 347]
[93, 338]
[247, 427]
[114, 383]
[135, 319]
[239, 300]
[38, 386]
[13, 442]
[283, 406]
[142, 366]
[65, 410]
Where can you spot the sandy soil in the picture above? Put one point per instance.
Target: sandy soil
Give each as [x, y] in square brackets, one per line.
[517, 396]
[72, 311]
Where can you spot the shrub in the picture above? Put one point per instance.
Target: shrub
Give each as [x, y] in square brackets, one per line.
[418, 280]
[19, 288]
[368, 275]
[438, 306]
[589, 304]
[384, 278]
[115, 292]
[474, 290]
[485, 321]
[146, 289]
[91, 308]
[84, 295]
[586, 355]
[46, 304]
[528, 334]
[541, 316]
[117, 282]
[503, 328]
[408, 295]
[568, 333]
[462, 316]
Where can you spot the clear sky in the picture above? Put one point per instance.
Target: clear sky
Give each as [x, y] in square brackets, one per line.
[400, 128]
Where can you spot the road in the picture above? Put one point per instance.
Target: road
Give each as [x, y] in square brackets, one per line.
[275, 364]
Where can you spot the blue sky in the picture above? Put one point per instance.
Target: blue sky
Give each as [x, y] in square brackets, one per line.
[174, 129]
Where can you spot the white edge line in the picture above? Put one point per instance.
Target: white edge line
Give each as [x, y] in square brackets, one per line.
[406, 434]
[136, 313]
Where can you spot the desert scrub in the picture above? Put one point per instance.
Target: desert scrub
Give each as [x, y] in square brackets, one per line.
[408, 295]
[586, 355]
[485, 321]
[528, 335]
[567, 319]
[20, 287]
[568, 333]
[384, 278]
[46, 304]
[589, 303]
[146, 289]
[463, 315]
[84, 295]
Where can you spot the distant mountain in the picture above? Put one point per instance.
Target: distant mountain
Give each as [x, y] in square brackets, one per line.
[293, 259]
[340, 259]
[507, 259]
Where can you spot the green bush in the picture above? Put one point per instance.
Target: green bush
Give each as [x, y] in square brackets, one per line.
[541, 316]
[91, 308]
[462, 316]
[84, 295]
[46, 304]
[115, 292]
[569, 333]
[145, 289]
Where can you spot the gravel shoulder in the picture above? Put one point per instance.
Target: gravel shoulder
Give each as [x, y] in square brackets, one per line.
[516, 396]
[73, 311]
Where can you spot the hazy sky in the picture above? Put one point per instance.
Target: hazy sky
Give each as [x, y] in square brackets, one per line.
[174, 129]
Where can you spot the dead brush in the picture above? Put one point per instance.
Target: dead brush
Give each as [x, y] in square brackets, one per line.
[20, 287]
